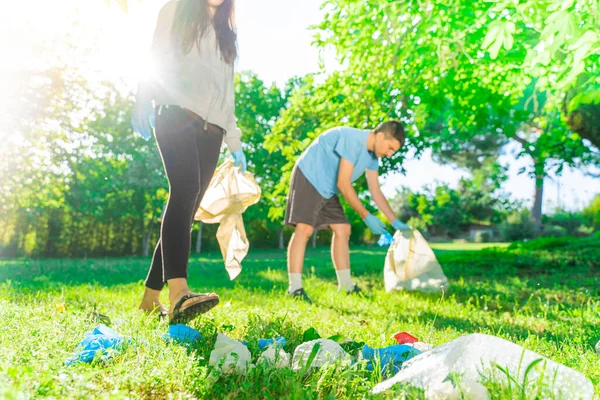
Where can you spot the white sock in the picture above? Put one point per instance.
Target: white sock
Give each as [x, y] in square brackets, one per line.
[295, 282]
[344, 280]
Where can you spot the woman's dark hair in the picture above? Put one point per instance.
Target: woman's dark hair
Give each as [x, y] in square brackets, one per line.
[192, 18]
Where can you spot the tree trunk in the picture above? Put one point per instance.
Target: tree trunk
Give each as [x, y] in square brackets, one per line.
[281, 239]
[199, 238]
[538, 196]
[314, 239]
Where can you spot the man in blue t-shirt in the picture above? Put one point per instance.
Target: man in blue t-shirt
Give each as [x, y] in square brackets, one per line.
[327, 167]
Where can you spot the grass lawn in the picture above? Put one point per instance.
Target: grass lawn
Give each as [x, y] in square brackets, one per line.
[545, 297]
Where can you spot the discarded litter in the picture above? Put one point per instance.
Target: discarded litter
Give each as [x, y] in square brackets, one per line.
[230, 356]
[393, 356]
[182, 333]
[98, 341]
[404, 337]
[262, 343]
[475, 356]
[328, 352]
[465, 389]
[274, 356]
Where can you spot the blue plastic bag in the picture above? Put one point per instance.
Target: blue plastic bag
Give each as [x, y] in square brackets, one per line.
[262, 343]
[182, 333]
[99, 341]
[389, 356]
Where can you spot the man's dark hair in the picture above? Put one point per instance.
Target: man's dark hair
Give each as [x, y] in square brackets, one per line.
[392, 129]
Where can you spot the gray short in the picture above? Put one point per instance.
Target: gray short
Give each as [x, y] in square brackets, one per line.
[306, 205]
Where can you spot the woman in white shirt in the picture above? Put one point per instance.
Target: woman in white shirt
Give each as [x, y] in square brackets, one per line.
[194, 49]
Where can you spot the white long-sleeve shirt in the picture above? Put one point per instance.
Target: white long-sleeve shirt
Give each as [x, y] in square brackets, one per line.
[200, 81]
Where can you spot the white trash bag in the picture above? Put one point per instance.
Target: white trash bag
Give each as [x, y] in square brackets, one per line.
[329, 352]
[230, 356]
[274, 356]
[476, 356]
[229, 194]
[411, 265]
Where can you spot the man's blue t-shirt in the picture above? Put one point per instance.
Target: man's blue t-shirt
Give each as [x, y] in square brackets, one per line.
[320, 162]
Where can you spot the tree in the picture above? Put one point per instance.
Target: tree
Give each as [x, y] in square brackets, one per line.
[449, 212]
[257, 109]
[428, 60]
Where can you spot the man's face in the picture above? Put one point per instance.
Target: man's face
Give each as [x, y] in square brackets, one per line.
[384, 146]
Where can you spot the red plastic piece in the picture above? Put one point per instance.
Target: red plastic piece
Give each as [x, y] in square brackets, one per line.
[404, 338]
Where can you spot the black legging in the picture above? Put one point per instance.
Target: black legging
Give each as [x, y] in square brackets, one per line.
[190, 151]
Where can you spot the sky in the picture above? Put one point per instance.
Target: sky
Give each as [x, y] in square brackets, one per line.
[274, 43]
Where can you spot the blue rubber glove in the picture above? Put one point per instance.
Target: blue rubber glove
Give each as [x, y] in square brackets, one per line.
[385, 240]
[240, 159]
[400, 226]
[143, 119]
[375, 225]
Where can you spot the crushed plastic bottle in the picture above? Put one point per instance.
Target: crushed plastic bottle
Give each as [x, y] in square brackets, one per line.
[391, 356]
[327, 352]
[477, 357]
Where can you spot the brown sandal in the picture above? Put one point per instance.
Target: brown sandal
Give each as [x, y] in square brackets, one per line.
[183, 316]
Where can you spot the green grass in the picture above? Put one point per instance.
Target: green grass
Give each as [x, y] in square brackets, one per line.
[457, 246]
[546, 298]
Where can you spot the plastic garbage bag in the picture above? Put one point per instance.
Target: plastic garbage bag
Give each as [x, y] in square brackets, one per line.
[229, 194]
[393, 356]
[466, 389]
[182, 333]
[98, 341]
[230, 356]
[328, 352]
[411, 265]
[476, 356]
[275, 356]
[422, 346]
[279, 341]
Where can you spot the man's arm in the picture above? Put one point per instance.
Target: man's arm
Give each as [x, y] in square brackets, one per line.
[377, 195]
[346, 189]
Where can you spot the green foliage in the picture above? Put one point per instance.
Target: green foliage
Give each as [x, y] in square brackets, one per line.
[100, 190]
[482, 237]
[553, 231]
[447, 211]
[427, 62]
[518, 226]
[257, 109]
[569, 222]
[591, 213]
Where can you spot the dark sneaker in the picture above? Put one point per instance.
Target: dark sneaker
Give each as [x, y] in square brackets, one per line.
[355, 290]
[300, 294]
